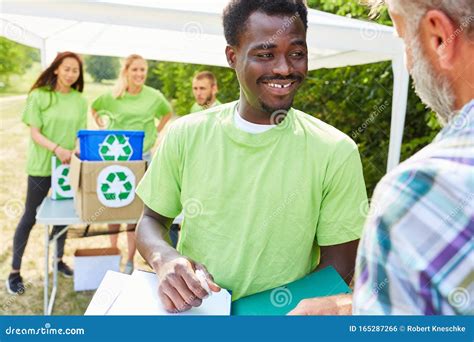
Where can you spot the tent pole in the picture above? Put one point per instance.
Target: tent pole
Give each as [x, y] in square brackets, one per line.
[399, 107]
[44, 61]
[48, 52]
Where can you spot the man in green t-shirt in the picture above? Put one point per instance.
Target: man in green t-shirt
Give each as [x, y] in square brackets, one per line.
[269, 193]
[204, 91]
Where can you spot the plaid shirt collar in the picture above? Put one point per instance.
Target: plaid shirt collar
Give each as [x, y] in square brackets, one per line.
[462, 122]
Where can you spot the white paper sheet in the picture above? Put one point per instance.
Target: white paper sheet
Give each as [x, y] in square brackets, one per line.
[107, 293]
[140, 297]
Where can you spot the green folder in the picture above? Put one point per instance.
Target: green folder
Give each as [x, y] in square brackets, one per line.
[281, 300]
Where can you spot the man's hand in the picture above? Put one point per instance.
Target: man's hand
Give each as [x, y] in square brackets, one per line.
[180, 289]
[333, 305]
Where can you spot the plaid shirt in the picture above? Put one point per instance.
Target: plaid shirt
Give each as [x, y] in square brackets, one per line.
[417, 254]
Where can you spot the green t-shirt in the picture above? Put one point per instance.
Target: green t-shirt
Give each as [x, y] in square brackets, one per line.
[58, 116]
[257, 206]
[198, 108]
[134, 112]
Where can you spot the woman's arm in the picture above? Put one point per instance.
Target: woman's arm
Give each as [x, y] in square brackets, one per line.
[98, 120]
[164, 120]
[63, 154]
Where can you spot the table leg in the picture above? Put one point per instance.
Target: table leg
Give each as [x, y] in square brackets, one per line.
[55, 270]
[55, 263]
[46, 270]
[55, 276]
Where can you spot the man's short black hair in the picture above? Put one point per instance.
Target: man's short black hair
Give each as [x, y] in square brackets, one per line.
[237, 13]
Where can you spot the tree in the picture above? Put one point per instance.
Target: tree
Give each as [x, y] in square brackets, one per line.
[15, 58]
[102, 67]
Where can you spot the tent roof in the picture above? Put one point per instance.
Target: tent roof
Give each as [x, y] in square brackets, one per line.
[179, 30]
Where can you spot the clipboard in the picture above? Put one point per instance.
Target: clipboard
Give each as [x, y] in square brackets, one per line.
[281, 300]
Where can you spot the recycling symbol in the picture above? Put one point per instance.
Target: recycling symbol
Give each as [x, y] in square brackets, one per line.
[116, 186]
[115, 147]
[62, 176]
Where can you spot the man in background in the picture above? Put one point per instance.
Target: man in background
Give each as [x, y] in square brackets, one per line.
[204, 91]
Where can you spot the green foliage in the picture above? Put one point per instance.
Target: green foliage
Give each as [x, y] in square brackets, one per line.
[15, 59]
[357, 100]
[348, 8]
[360, 97]
[102, 67]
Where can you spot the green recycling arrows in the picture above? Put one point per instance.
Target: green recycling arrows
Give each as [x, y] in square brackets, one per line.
[116, 186]
[61, 188]
[115, 147]
[63, 180]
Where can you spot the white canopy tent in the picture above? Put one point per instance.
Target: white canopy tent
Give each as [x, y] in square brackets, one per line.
[190, 31]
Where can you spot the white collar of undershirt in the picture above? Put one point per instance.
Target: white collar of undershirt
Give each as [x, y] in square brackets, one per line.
[248, 126]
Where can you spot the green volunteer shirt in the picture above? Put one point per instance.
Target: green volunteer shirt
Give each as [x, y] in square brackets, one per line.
[58, 116]
[134, 112]
[198, 108]
[257, 206]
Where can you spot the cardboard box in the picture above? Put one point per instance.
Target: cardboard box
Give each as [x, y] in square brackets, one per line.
[60, 186]
[91, 265]
[105, 191]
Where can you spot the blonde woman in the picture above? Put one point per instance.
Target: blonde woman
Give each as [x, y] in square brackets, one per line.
[132, 106]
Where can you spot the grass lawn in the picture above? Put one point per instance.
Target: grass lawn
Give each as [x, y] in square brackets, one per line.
[14, 137]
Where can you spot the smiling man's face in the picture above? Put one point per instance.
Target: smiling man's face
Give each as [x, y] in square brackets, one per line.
[271, 60]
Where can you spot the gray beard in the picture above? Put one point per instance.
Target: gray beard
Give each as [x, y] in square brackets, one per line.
[434, 90]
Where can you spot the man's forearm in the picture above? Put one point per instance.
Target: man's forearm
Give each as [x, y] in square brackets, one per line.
[152, 242]
[344, 303]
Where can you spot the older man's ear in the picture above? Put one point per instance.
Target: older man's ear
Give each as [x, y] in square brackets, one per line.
[439, 33]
